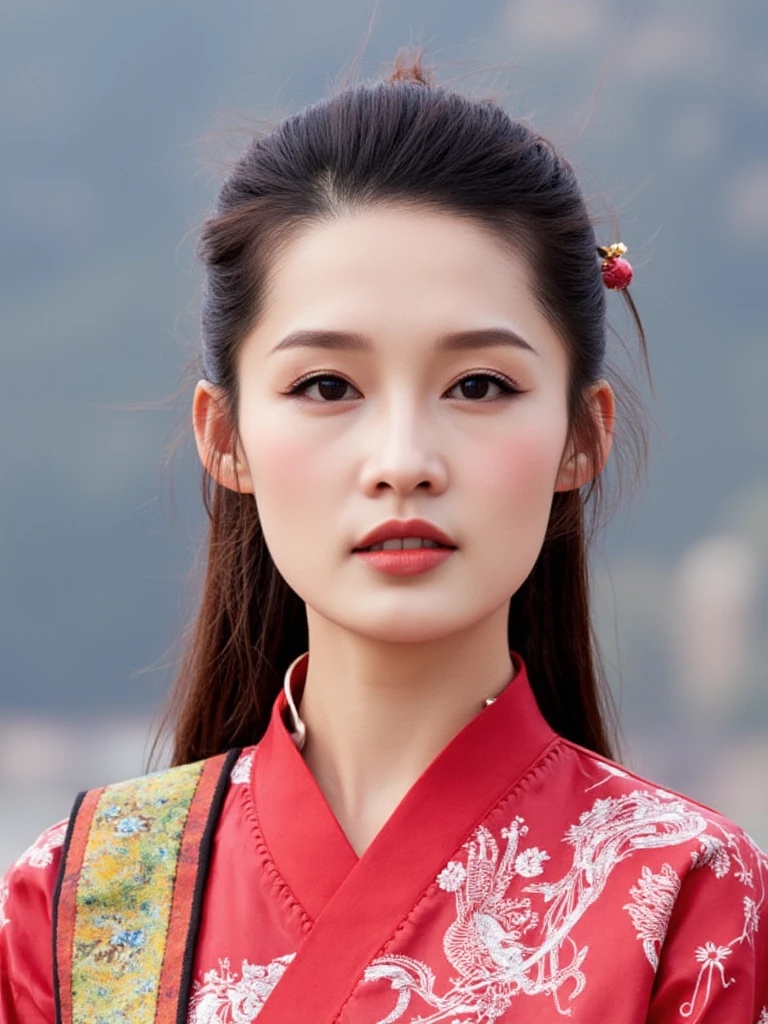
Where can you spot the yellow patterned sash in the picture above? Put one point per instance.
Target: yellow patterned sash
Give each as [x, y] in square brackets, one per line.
[129, 895]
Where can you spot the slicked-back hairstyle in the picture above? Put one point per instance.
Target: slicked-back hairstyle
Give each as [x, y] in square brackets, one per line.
[403, 140]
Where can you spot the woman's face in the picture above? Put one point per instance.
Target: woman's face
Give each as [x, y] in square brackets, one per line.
[402, 425]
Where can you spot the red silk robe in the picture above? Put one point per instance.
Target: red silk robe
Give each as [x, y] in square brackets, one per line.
[522, 878]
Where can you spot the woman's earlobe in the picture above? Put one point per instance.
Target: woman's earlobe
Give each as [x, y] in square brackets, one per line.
[215, 438]
[579, 467]
[575, 471]
[231, 472]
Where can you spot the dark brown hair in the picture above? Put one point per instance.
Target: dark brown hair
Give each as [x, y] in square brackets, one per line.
[402, 140]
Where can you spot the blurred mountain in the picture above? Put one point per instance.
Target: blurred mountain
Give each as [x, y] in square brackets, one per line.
[113, 121]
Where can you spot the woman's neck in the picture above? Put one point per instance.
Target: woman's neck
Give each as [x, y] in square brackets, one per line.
[378, 714]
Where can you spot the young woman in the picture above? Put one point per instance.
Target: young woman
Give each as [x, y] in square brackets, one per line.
[393, 796]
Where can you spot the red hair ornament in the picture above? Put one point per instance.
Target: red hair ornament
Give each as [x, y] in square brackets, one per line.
[617, 272]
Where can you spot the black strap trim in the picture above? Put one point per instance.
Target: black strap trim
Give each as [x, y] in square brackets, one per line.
[203, 865]
[57, 896]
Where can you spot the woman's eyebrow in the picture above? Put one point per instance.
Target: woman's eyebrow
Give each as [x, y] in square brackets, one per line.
[453, 342]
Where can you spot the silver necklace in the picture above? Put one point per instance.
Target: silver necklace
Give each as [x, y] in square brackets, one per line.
[299, 730]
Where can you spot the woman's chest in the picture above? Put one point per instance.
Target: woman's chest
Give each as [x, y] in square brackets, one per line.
[513, 926]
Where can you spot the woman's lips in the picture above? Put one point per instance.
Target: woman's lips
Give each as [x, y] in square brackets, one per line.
[403, 529]
[405, 561]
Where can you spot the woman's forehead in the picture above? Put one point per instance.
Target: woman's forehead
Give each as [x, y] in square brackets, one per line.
[401, 245]
[399, 269]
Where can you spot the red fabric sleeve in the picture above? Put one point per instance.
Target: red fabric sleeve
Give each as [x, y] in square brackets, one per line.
[713, 967]
[26, 956]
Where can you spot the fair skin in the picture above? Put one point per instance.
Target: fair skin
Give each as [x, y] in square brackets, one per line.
[399, 664]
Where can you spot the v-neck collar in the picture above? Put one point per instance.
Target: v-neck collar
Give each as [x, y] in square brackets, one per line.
[456, 790]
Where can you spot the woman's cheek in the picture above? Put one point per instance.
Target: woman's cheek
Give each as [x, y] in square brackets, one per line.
[518, 481]
[284, 468]
[283, 472]
[520, 471]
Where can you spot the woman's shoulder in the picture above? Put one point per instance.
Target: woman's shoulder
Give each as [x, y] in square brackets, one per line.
[610, 778]
[45, 849]
[35, 870]
[701, 857]
[126, 806]
[154, 820]
[32, 876]
[613, 782]
[26, 915]
[695, 885]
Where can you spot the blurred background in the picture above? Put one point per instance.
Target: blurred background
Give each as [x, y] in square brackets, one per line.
[114, 122]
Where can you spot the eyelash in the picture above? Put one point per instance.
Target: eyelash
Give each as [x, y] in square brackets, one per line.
[508, 387]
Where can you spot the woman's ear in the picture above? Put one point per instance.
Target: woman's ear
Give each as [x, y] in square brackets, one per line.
[215, 436]
[580, 466]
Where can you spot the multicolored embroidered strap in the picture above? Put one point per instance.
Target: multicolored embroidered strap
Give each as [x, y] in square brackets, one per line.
[129, 896]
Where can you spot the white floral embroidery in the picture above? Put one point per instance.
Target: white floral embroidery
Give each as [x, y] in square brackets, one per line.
[742, 872]
[721, 854]
[513, 937]
[711, 958]
[501, 946]
[452, 876]
[40, 854]
[3, 898]
[223, 998]
[713, 853]
[751, 918]
[528, 863]
[612, 770]
[653, 902]
[241, 773]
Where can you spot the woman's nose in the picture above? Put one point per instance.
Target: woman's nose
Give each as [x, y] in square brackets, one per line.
[404, 452]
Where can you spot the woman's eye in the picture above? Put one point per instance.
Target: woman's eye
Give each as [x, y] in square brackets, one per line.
[505, 386]
[331, 387]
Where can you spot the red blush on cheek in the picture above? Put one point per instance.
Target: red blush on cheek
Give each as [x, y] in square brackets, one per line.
[514, 465]
[288, 466]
